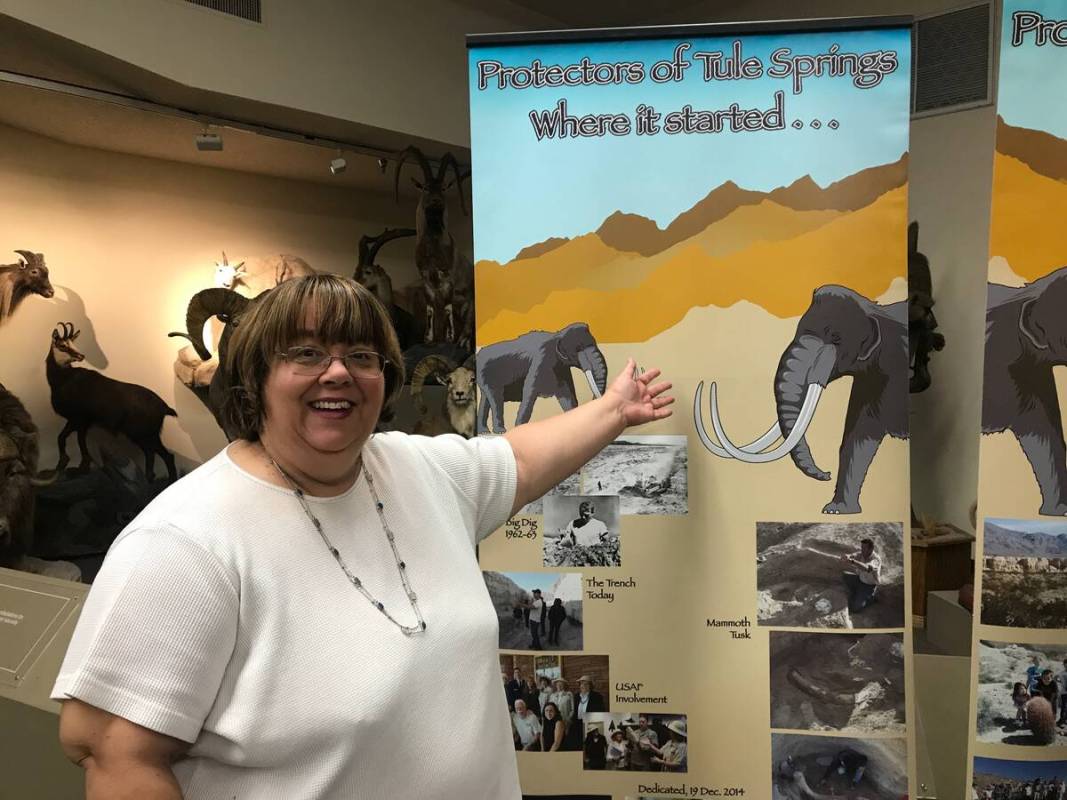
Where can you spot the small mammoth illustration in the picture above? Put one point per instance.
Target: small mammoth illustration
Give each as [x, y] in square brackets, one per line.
[1026, 337]
[537, 364]
[842, 333]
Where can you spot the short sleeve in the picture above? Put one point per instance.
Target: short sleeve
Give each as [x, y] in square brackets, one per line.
[484, 473]
[156, 634]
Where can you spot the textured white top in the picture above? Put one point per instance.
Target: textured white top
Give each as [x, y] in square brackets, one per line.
[220, 618]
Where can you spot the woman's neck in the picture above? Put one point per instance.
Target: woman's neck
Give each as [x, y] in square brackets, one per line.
[316, 474]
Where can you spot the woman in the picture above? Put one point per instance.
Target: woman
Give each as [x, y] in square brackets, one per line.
[271, 625]
[531, 695]
[595, 749]
[564, 702]
[674, 755]
[618, 757]
[552, 728]
[544, 693]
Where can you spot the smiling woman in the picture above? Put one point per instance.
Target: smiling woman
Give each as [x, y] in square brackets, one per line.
[274, 624]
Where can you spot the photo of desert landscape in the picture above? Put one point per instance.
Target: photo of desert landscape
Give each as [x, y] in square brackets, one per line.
[1024, 574]
[650, 474]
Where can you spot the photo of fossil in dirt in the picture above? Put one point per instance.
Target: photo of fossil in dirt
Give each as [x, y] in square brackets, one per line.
[567, 486]
[849, 682]
[838, 768]
[1024, 573]
[830, 575]
[1019, 693]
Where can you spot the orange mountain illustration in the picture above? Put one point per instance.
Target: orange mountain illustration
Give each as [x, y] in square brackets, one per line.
[1043, 152]
[1029, 212]
[864, 249]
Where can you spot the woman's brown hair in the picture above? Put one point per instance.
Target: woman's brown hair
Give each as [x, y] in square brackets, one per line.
[344, 313]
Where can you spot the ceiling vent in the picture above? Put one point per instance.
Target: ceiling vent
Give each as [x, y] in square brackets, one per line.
[251, 10]
[952, 60]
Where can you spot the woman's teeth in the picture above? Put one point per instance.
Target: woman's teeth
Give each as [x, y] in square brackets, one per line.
[331, 405]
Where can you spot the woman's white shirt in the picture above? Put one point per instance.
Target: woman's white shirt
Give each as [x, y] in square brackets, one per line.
[220, 618]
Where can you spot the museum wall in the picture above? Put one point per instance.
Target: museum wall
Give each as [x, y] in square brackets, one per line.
[129, 240]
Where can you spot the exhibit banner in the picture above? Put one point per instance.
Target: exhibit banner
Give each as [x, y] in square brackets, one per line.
[717, 605]
[1020, 632]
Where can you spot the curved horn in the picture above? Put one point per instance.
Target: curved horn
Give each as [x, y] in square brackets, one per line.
[370, 245]
[417, 154]
[28, 256]
[449, 160]
[773, 434]
[429, 365]
[209, 303]
[807, 412]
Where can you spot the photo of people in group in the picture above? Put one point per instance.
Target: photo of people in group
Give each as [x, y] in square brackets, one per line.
[636, 742]
[1004, 779]
[550, 696]
[537, 610]
[1021, 692]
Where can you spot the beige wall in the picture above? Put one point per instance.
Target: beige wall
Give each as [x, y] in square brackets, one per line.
[129, 240]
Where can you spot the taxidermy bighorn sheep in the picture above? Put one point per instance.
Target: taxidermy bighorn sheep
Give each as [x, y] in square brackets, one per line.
[18, 281]
[445, 307]
[18, 468]
[86, 398]
[459, 405]
[374, 277]
[842, 333]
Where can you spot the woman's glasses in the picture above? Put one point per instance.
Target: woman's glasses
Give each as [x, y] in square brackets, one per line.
[307, 360]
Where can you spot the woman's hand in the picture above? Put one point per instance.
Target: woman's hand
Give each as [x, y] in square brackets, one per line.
[637, 398]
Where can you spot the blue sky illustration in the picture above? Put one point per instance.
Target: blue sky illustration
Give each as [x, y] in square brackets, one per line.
[526, 191]
[1030, 93]
[1020, 770]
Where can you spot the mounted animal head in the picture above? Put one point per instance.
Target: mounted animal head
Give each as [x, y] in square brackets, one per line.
[225, 304]
[63, 350]
[432, 213]
[1042, 317]
[32, 275]
[369, 272]
[458, 381]
[576, 347]
[227, 274]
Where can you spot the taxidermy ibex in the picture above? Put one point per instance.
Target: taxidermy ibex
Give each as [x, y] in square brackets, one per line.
[18, 281]
[446, 303]
[85, 398]
[373, 276]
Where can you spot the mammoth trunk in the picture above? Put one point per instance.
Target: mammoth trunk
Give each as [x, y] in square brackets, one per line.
[592, 363]
[807, 362]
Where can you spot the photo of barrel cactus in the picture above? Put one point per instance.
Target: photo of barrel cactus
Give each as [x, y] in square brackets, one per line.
[1019, 700]
[1024, 574]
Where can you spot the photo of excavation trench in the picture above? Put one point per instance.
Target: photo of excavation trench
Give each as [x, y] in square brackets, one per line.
[853, 683]
[838, 768]
[804, 577]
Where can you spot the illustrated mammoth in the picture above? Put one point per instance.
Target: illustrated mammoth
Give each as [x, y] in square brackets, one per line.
[1026, 337]
[841, 333]
[537, 364]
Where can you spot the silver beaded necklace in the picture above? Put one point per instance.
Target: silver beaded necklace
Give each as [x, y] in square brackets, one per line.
[401, 566]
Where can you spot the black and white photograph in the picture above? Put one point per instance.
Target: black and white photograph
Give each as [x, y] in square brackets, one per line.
[1008, 779]
[848, 682]
[537, 610]
[636, 742]
[1024, 573]
[549, 697]
[568, 486]
[807, 767]
[1021, 694]
[650, 474]
[830, 575]
[582, 531]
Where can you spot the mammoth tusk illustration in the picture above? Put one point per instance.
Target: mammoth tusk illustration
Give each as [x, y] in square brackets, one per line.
[592, 383]
[753, 453]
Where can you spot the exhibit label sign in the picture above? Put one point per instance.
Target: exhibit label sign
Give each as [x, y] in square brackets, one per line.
[1020, 635]
[712, 607]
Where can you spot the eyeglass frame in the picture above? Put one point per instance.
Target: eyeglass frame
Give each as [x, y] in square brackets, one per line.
[385, 362]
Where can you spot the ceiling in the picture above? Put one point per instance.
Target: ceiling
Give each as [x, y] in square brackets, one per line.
[563, 14]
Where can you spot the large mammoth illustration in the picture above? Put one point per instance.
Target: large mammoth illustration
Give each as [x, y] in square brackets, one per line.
[1026, 336]
[841, 333]
[537, 364]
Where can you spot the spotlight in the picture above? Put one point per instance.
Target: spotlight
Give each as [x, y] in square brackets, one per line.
[338, 165]
[383, 165]
[208, 141]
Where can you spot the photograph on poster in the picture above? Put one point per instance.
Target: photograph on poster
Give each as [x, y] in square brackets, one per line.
[1020, 693]
[1024, 573]
[847, 682]
[537, 610]
[568, 486]
[1007, 779]
[582, 531]
[650, 474]
[808, 767]
[830, 575]
[636, 742]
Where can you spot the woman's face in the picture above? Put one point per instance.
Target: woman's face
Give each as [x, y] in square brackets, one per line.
[328, 413]
[550, 711]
